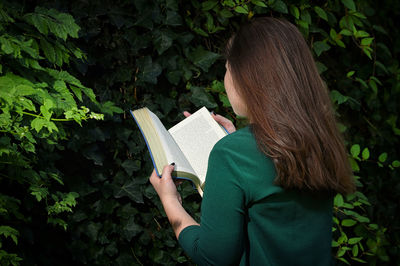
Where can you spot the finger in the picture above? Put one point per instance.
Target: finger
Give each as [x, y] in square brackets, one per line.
[222, 120]
[154, 177]
[166, 173]
[186, 113]
[225, 122]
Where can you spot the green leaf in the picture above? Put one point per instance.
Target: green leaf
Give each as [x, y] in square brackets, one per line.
[242, 9]
[354, 240]
[320, 47]
[382, 158]
[217, 86]
[173, 19]
[110, 108]
[207, 5]
[226, 13]
[280, 6]
[348, 222]
[200, 97]
[131, 229]
[346, 32]
[321, 13]
[294, 11]
[321, 67]
[259, 3]
[8, 231]
[365, 154]
[349, 4]
[38, 123]
[350, 73]
[48, 50]
[367, 41]
[202, 58]
[338, 201]
[224, 99]
[130, 189]
[354, 250]
[396, 163]
[130, 166]
[361, 34]
[162, 41]
[355, 150]
[354, 165]
[39, 192]
[148, 71]
[336, 96]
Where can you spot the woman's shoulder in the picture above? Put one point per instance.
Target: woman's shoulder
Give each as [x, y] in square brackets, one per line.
[239, 146]
[237, 140]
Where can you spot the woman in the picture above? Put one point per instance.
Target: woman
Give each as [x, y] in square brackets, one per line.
[269, 186]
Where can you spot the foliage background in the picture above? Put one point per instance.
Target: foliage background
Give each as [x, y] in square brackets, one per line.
[73, 187]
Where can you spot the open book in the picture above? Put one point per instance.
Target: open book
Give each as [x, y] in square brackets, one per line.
[188, 143]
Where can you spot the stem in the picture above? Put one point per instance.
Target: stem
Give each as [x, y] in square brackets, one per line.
[136, 257]
[6, 131]
[52, 119]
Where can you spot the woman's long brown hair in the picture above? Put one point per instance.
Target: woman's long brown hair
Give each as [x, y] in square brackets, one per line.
[288, 106]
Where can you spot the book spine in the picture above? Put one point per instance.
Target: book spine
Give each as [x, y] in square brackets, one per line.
[147, 144]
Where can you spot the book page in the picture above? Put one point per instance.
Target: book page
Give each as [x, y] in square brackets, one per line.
[171, 149]
[196, 136]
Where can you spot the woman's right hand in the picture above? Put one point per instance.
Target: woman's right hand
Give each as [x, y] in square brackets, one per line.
[223, 121]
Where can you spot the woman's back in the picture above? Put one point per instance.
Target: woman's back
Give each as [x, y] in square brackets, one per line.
[247, 218]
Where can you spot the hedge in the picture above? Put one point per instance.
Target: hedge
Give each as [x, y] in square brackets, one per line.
[74, 168]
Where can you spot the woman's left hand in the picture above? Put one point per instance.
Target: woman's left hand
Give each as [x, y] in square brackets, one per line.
[165, 186]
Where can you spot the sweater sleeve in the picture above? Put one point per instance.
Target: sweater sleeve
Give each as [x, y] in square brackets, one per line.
[219, 240]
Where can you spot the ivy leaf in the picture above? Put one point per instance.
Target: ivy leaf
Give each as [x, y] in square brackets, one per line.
[224, 99]
[320, 47]
[321, 67]
[173, 19]
[217, 86]
[130, 166]
[280, 6]
[148, 71]
[202, 58]
[336, 96]
[162, 41]
[201, 98]
[130, 189]
[131, 229]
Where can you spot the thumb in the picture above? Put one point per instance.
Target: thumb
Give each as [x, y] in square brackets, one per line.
[166, 173]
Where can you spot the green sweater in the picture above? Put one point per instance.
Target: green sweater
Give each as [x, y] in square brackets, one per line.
[246, 219]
